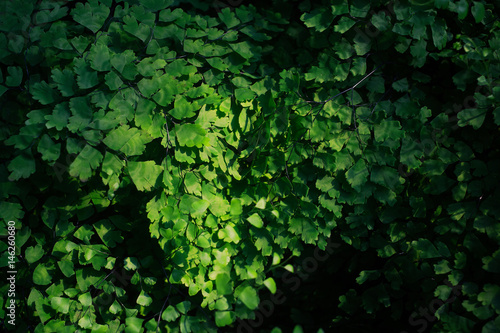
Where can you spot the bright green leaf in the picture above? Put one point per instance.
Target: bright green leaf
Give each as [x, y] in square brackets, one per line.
[255, 220]
[41, 275]
[33, 254]
[249, 297]
[270, 284]
[170, 314]
[60, 304]
[191, 135]
[224, 318]
[144, 174]
[144, 299]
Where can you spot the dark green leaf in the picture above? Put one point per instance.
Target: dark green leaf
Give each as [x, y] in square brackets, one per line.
[92, 15]
[319, 19]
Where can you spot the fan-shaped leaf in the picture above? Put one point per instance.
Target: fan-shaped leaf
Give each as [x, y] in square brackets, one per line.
[92, 15]
[131, 141]
[144, 174]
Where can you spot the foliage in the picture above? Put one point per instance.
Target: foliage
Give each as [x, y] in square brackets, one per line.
[165, 163]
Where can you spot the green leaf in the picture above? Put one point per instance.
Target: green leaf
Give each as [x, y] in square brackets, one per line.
[244, 49]
[357, 175]
[86, 77]
[319, 19]
[50, 151]
[419, 52]
[193, 184]
[376, 84]
[92, 15]
[490, 296]
[401, 85]
[67, 267]
[148, 67]
[224, 284]
[492, 263]
[16, 43]
[183, 307]
[85, 299]
[41, 275]
[261, 204]
[156, 5]
[124, 63]
[139, 30]
[254, 34]
[100, 58]
[344, 49]
[88, 159]
[217, 63]
[192, 205]
[144, 174]
[219, 206]
[478, 11]
[442, 267]
[15, 76]
[113, 81]
[249, 297]
[60, 304]
[183, 109]
[81, 114]
[473, 117]
[59, 117]
[130, 141]
[231, 234]
[22, 166]
[244, 94]
[387, 177]
[170, 314]
[367, 275]
[344, 24]
[65, 81]
[255, 220]
[425, 249]
[228, 17]
[360, 8]
[106, 232]
[144, 299]
[84, 233]
[191, 135]
[462, 8]
[301, 226]
[42, 92]
[381, 21]
[224, 318]
[388, 129]
[131, 263]
[10, 211]
[236, 207]
[270, 284]
[439, 33]
[33, 254]
[3, 89]
[134, 325]
[411, 153]
[80, 43]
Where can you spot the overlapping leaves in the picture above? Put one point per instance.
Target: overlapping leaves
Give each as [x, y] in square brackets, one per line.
[237, 154]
